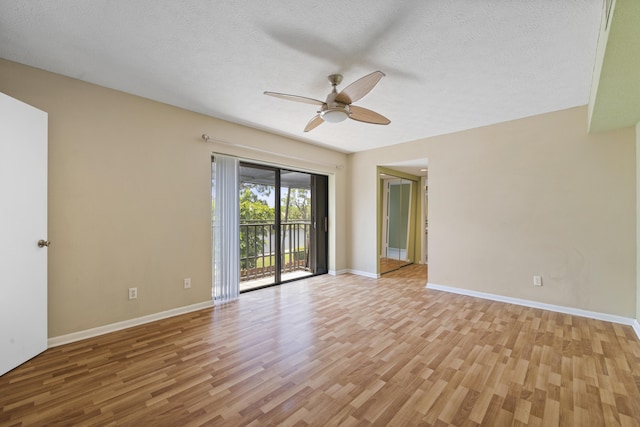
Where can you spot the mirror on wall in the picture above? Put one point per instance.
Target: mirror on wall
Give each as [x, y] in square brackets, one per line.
[396, 216]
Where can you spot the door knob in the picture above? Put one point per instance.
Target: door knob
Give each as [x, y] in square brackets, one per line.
[43, 243]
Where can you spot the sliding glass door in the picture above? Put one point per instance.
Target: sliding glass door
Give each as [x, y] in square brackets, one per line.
[283, 216]
[258, 206]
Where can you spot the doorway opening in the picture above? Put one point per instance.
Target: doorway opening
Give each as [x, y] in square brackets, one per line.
[283, 225]
[402, 215]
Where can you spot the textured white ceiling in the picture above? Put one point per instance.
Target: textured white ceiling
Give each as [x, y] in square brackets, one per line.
[450, 65]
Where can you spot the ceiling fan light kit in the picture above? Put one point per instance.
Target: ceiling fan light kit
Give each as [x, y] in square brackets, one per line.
[337, 106]
[335, 115]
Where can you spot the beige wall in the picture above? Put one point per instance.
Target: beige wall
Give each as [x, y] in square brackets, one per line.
[536, 196]
[130, 198]
[638, 222]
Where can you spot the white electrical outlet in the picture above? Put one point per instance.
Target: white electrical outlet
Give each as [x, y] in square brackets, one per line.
[187, 283]
[133, 293]
[537, 280]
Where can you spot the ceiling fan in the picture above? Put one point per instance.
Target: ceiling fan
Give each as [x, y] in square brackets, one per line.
[338, 106]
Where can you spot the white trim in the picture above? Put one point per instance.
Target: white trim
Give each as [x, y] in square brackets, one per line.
[535, 304]
[338, 272]
[364, 273]
[636, 327]
[101, 330]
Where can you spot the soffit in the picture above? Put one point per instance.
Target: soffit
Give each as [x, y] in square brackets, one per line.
[615, 101]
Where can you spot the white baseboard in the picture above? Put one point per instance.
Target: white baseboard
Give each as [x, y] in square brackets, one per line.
[636, 327]
[338, 272]
[544, 306]
[364, 273]
[101, 330]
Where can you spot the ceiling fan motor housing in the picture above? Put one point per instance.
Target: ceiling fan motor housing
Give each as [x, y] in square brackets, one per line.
[333, 111]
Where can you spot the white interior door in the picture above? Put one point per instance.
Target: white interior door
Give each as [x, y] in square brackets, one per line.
[23, 222]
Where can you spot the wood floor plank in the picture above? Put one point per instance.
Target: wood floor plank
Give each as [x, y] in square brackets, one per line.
[343, 350]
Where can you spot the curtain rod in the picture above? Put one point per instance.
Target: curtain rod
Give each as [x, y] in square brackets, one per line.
[208, 138]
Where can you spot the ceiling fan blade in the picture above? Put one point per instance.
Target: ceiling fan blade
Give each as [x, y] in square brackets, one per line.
[295, 98]
[314, 123]
[367, 116]
[359, 88]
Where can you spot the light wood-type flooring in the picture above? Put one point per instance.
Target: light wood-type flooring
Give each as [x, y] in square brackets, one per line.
[390, 264]
[343, 350]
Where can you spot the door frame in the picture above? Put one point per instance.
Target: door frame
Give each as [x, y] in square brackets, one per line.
[319, 233]
[387, 183]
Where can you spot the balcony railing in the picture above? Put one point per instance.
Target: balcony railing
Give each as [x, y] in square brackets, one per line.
[258, 248]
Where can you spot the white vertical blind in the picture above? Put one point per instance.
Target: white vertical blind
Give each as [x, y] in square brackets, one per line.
[226, 229]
